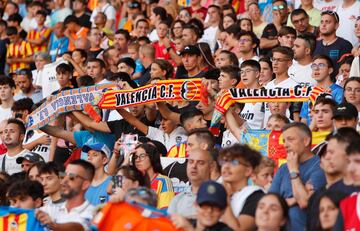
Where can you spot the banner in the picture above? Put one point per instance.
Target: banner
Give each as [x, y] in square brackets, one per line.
[12, 219]
[239, 95]
[270, 143]
[175, 169]
[65, 101]
[163, 90]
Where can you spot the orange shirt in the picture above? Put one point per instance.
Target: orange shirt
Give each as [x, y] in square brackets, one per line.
[82, 33]
[21, 49]
[36, 34]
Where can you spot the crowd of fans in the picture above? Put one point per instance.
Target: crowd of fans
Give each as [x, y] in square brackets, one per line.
[74, 164]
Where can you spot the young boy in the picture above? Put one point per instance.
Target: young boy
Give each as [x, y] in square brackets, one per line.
[63, 76]
[264, 173]
[211, 201]
[133, 50]
[26, 194]
[287, 36]
[39, 37]
[19, 53]
[98, 155]
[253, 113]
[229, 77]
[7, 88]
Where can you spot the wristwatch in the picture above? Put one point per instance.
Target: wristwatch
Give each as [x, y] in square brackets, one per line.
[294, 175]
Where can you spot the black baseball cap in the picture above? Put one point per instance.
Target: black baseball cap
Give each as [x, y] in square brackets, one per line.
[31, 157]
[191, 49]
[345, 110]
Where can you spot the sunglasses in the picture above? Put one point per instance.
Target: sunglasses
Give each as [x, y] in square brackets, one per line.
[72, 176]
[330, 12]
[280, 7]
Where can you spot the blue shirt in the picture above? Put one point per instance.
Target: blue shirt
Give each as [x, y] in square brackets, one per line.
[58, 46]
[310, 171]
[97, 194]
[337, 93]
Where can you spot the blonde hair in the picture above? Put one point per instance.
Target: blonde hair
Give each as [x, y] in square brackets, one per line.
[265, 162]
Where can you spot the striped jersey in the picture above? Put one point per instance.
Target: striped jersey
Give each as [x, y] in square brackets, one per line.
[39, 33]
[21, 49]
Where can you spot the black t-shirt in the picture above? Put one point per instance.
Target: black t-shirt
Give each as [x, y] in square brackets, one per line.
[95, 53]
[84, 20]
[269, 32]
[119, 127]
[2, 56]
[23, 34]
[219, 226]
[334, 50]
[251, 203]
[145, 77]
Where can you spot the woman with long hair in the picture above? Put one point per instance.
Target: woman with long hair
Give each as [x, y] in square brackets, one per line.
[161, 69]
[146, 159]
[271, 213]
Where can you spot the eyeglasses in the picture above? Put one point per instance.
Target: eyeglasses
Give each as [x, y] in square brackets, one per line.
[356, 90]
[177, 28]
[244, 40]
[141, 156]
[246, 71]
[330, 12]
[280, 7]
[233, 162]
[280, 60]
[72, 176]
[315, 66]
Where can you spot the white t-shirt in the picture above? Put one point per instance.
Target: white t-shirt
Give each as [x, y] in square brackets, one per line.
[107, 9]
[5, 113]
[301, 74]
[42, 149]
[153, 36]
[323, 5]
[209, 37]
[47, 79]
[253, 114]
[256, 58]
[82, 214]
[347, 22]
[175, 137]
[228, 139]
[10, 164]
[271, 85]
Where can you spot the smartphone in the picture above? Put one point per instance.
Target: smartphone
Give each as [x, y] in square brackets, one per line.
[117, 181]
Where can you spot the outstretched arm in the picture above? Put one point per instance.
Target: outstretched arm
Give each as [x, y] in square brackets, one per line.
[87, 122]
[133, 120]
[59, 133]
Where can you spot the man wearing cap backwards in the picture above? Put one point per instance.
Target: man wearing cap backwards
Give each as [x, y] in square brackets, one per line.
[28, 160]
[98, 155]
[12, 137]
[345, 115]
[199, 166]
[190, 58]
[210, 205]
